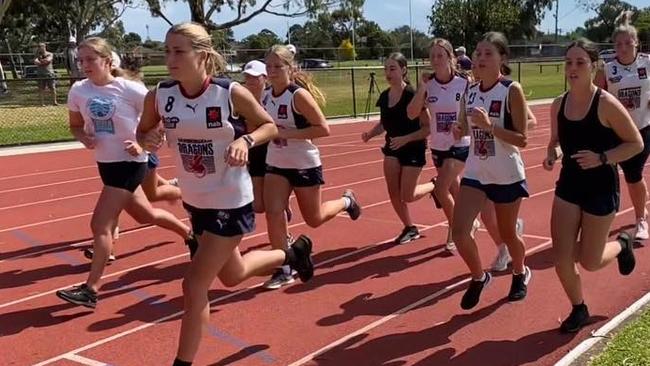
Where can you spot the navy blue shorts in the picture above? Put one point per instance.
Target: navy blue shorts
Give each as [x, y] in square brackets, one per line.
[499, 193]
[257, 160]
[122, 174]
[408, 155]
[152, 161]
[222, 222]
[299, 177]
[459, 153]
[633, 167]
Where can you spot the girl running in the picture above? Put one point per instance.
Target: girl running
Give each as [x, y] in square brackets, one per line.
[404, 151]
[595, 133]
[293, 161]
[494, 112]
[441, 93]
[627, 78]
[206, 120]
[104, 113]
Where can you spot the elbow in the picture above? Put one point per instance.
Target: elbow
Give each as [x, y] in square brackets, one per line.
[523, 142]
[638, 147]
[412, 114]
[324, 131]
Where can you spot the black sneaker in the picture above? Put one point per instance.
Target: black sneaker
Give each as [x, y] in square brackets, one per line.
[355, 209]
[433, 195]
[626, 261]
[303, 263]
[192, 244]
[408, 234]
[79, 295]
[89, 253]
[577, 319]
[519, 286]
[473, 293]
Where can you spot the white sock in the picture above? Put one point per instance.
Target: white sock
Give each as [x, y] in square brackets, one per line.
[483, 278]
[347, 202]
[286, 270]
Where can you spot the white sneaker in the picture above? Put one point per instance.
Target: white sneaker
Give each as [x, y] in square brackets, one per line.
[501, 261]
[450, 246]
[520, 226]
[475, 226]
[642, 229]
[116, 233]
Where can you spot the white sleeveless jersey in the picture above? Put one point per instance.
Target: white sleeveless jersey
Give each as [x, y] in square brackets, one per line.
[289, 153]
[631, 85]
[198, 131]
[443, 102]
[490, 160]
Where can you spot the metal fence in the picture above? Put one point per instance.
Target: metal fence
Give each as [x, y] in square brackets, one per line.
[26, 118]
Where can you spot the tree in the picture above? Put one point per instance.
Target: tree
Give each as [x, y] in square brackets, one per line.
[222, 38]
[54, 20]
[132, 40]
[642, 25]
[463, 21]
[316, 38]
[115, 36]
[259, 43]
[374, 41]
[245, 9]
[601, 27]
[346, 51]
[4, 5]
[402, 38]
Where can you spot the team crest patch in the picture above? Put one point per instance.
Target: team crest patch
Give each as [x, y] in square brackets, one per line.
[282, 111]
[495, 109]
[643, 73]
[170, 122]
[213, 117]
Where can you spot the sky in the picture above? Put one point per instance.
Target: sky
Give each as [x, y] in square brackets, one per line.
[388, 14]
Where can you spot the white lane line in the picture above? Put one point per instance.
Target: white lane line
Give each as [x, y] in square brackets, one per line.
[83, 360]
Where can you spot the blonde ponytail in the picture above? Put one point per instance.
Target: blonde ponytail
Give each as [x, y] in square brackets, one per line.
[624, 21]
[215, 63]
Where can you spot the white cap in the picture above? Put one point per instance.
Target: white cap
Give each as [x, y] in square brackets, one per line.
[255, 68]
[72, 39]
[292, 49]
[461, 49]
[116, 61]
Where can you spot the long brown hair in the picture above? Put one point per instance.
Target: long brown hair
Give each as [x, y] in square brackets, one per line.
[402, 62]
[500, 42]
[215, 63]
[446, 45]
[301, 78]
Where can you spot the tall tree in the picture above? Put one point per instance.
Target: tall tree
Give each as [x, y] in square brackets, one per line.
[373, 41]
[464, 21]
[257, 44]
[203, 11]
[4, 5]
[601, 27]
[402, 38]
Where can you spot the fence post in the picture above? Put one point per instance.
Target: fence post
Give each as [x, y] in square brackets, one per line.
[354, 95]
[519, 72]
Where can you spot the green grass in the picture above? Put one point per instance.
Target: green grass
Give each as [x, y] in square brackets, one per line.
[23, 121]
[630, 347]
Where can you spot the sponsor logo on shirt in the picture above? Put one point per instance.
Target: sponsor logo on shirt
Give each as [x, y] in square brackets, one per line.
[630, 97]
[483, 143]
[197, 156]
[444, 121]
[495, 109]
[282, 111]
[432, 99]
[213, 117]
[615, 79]
[643, 73]
[170, 122]
[101, 111]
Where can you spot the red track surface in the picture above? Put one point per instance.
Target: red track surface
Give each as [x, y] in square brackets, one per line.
[371, 302]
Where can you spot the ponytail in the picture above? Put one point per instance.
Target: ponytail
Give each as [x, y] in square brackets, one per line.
[306, 81]
[624, 21]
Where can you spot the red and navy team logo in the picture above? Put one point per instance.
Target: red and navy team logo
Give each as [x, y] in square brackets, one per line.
[282, 111]
[495, 109]
[643, 73]
[213, 117]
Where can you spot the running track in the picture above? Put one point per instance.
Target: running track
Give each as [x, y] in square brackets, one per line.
[371, 302]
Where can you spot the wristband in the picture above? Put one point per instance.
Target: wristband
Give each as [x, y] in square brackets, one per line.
[249, 140]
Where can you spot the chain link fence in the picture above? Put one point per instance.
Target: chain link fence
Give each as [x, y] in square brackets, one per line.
[27, 116]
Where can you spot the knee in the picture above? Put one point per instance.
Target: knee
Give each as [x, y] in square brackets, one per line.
[231, 279]
[459, 234]
[589, 264]
[193, 295]
[312, 221]
[100, 228]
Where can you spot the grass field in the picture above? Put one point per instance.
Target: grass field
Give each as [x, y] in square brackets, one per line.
[23, 120]
[631, 346]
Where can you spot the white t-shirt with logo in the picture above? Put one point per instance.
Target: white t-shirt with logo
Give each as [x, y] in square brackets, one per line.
[111, 113]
